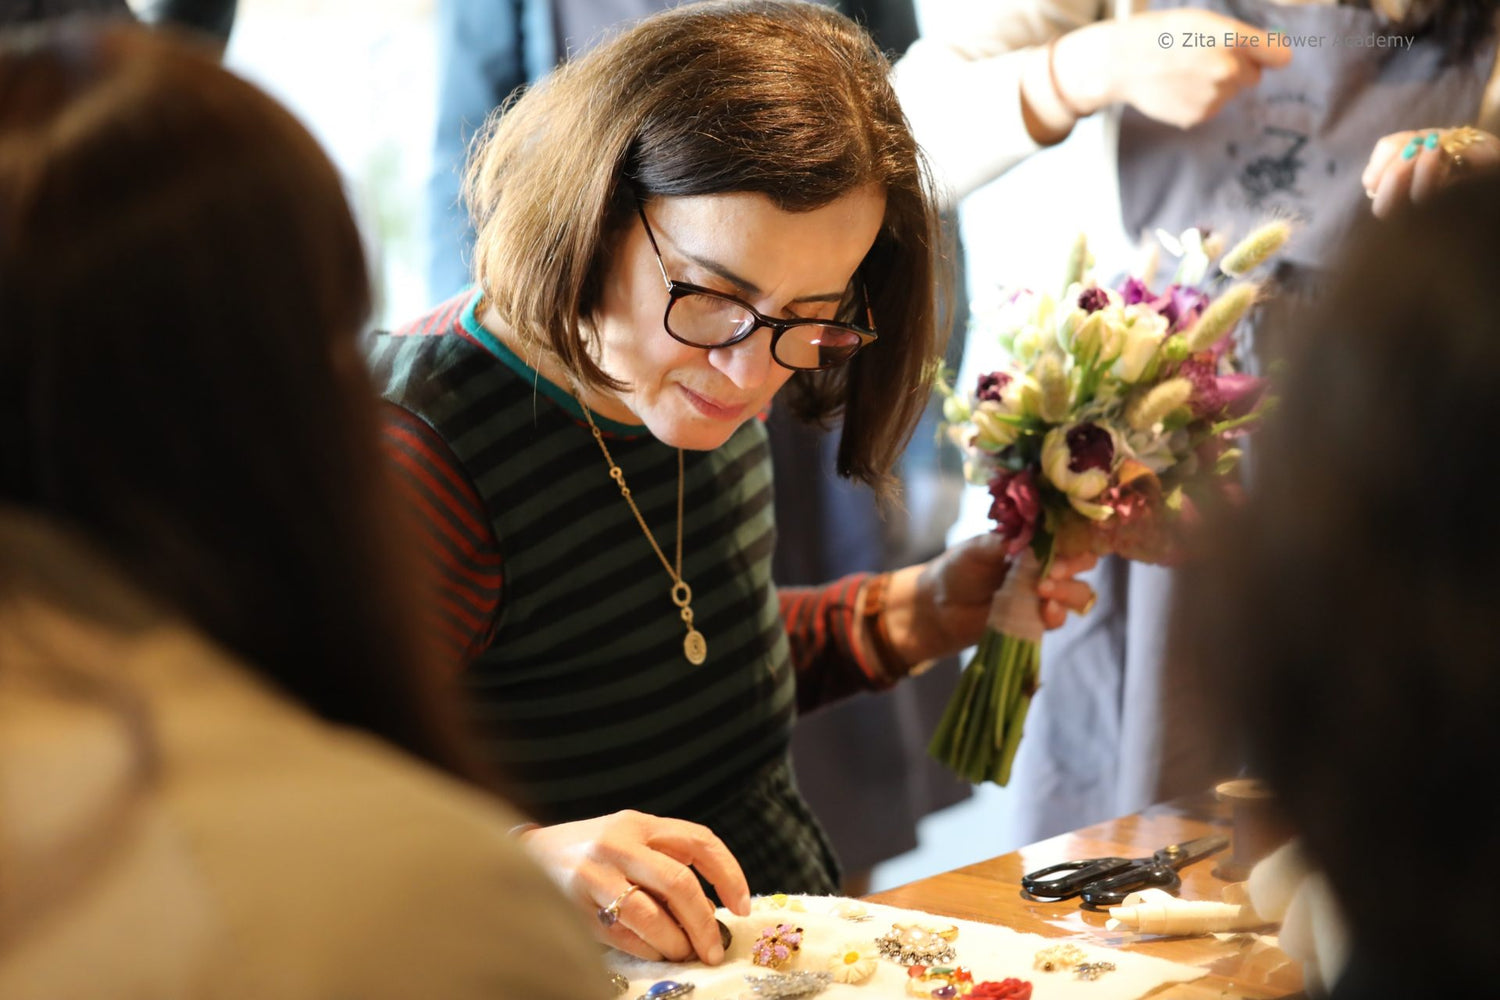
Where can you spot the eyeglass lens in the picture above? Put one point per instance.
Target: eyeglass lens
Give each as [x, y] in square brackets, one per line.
[708, 321]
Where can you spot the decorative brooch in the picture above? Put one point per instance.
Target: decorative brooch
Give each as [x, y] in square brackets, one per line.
[1092, 970]
[776, 946]
[852, 964]
[1005, 989]
[913, 944]
[778, 901]
[852, 911]
[1058, 957]
[667, 989]
[785, 985]
[939, 981]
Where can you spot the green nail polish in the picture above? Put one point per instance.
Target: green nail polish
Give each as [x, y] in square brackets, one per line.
[1411, 149]
[1432, 140]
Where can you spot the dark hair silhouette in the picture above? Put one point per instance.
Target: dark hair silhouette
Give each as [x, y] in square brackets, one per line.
[1348, 612]
[181, 286]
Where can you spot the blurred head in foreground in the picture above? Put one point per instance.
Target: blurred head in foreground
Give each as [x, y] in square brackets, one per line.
[1348, 611]
[181, 285]
[193, 503]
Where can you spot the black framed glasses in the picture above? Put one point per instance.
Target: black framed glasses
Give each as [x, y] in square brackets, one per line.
[702, 317]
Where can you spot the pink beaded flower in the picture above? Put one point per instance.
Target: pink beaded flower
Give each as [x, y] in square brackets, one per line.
[776, 946]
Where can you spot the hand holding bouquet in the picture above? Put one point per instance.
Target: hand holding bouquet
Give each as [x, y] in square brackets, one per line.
[1119, 406]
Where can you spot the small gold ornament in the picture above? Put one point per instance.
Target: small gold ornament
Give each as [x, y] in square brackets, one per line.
[1058, 957]
[1454, 141]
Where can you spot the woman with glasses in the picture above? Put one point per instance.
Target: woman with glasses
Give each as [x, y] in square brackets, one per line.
[719, 207]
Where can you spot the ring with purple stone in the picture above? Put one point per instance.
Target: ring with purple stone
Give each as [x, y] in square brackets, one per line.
[610, 915]
[667, 989]
[776, 946]
[942, 982]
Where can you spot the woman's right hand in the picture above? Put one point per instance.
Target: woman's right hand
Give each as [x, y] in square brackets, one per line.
[670, 917]
[1161, 64]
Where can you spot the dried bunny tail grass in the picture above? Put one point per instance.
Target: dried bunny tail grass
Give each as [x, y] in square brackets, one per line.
[1079, 262]
[1153, 407]
[1056, 391]
[1255, 249]
[1221, 316]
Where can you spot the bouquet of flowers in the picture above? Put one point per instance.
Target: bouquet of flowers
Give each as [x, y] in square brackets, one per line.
[1118, 407]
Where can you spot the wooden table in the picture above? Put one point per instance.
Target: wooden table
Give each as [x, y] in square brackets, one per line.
[990, 891]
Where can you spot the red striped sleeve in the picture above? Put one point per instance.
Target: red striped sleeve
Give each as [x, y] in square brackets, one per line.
[418, 453]
[822, 626]
[439, 320]
[462, 555]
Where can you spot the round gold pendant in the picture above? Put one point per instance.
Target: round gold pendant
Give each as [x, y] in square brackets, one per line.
[694, 647]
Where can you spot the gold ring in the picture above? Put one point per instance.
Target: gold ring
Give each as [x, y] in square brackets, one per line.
[1454, 141]
[610, 915]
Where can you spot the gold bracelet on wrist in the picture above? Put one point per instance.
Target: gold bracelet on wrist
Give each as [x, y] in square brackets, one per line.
[874, 621]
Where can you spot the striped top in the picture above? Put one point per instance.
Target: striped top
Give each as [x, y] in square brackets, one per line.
[556, 609]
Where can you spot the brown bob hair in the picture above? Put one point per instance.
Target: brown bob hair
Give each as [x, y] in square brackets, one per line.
[786, 99]
[181, 290]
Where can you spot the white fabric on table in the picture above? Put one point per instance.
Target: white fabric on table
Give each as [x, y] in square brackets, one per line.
[989, 951]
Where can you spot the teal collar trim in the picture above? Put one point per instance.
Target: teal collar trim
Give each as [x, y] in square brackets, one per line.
[510, 359]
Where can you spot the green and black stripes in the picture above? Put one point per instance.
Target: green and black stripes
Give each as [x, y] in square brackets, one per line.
[584, 699]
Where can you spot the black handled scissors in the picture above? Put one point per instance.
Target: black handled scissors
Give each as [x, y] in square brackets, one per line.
[1101, 882]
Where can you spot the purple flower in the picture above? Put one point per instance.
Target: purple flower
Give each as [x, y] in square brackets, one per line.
[1241, 393]
[991, 386]
[1219, 395]
[1181, 305]
[1016, 507]
[1136, 291]
[1090, 447]
[1092, 299]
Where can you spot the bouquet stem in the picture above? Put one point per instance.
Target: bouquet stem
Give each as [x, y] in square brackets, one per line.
[981, 729]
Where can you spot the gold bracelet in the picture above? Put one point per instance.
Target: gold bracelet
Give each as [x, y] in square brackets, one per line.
[873, 614]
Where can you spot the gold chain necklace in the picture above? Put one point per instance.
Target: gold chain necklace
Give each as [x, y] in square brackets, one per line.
[694, 646]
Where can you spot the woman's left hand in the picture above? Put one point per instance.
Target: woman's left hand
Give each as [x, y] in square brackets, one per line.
[1412, 166]
[941, 607]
